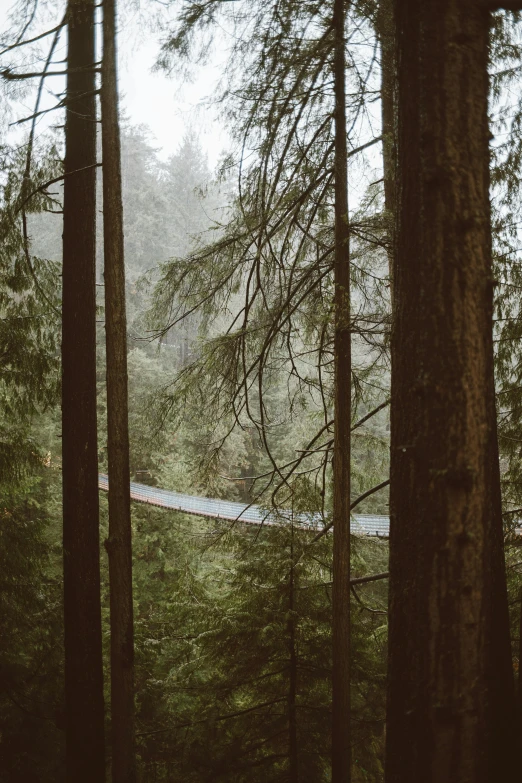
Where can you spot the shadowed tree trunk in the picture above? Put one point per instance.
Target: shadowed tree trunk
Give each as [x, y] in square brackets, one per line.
[341, 737]
[451, 711]
[519, 694]
[85, 755]
[293, 776]
[119, 545]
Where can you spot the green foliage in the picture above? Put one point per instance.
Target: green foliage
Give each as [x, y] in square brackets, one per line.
[28, 291]
[244, 309]
[264, 286]
[223, 616]
[31, 710]
[506, 172]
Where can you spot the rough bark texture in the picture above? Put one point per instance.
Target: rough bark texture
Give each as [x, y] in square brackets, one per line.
[519, 683]
[341, 735]
[119, 544]
[451, 712]
[85, 756]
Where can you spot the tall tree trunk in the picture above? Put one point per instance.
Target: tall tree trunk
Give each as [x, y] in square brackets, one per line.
[341, 736]
[451, 711]
[85, 753]
[519, 683]
[385, 31]
[119, 545]
[292, 684]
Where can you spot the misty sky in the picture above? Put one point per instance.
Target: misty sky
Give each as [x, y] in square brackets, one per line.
[167, 105]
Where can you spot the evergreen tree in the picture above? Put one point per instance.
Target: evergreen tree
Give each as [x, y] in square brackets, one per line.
[272, 265]
[235, 644]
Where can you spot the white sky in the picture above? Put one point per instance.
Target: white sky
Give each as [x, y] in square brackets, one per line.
[166, 105]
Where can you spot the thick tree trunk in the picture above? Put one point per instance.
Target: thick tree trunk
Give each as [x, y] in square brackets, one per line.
[341, 737]
[451, 711]
[119, 545]
[85, 754]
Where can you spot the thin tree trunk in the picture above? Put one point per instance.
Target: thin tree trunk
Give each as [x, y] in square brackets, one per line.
[385, 31]
[292, 686]
[119, 544]
[451, 712]
[519, 694]
[85, 752]
[341, 737]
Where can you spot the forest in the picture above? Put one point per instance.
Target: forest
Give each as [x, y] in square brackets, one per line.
[261, 421]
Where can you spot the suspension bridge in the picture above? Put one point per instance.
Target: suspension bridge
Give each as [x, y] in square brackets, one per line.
[362, 524]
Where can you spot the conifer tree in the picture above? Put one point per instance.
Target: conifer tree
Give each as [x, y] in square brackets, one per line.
[286, 242]
[274, 258]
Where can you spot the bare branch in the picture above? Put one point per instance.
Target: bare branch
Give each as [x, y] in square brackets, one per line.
[368, 493]
[32, 40]
[355, 503]
[361, 580]
[8, 74]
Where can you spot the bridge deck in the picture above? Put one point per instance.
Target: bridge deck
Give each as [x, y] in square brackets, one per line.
[362, 524]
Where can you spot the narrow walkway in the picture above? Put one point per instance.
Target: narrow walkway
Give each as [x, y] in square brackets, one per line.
[362, 524]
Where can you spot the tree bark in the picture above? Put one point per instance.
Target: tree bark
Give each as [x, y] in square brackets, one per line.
[451, 712]
[385, 31]
[85, 752]
[341, 735]
[292, 683]
[119, 543]
[519, 693]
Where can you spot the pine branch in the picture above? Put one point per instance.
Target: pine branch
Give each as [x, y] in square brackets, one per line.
[230, 715]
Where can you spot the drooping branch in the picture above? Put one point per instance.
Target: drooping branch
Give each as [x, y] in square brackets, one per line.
[277, 252]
